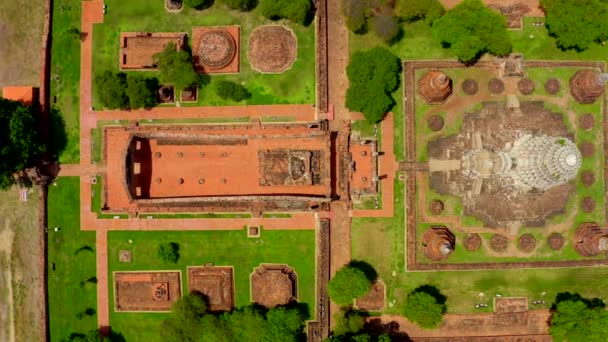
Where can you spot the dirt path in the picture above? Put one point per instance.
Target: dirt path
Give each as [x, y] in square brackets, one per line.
[534, 5]
[338, 53]
[67, 170]
[103, 300]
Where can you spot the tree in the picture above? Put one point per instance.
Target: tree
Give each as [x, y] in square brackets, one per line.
[198, 4]
[348, 322]
[294, 10]
[184, 324]
[111, 90]
[247, 324]
[284, 325]
[168, 252]
[576, 23]
[215, 329]
[472, 29]
[141, 91]
[425, 306]
[576, 318]
[347, 284]
[232, 91]
[356, 13]
[241, 5]
[20, 142]
[176, 68]
[412, 10]
[373, 76]
[386, 27]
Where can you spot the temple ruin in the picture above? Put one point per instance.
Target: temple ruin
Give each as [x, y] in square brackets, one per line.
[435, 86]
[590, 239]
[438, 243]
[137, 49]
[586, 86]
[520, 176]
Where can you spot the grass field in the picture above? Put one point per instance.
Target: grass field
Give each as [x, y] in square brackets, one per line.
[65, 73]
[71, 262]
[295, 248]
[296, 85]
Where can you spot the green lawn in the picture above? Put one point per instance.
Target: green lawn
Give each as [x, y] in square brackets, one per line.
[72, 252]
[295, 248]
[296, 85]
[65, 72]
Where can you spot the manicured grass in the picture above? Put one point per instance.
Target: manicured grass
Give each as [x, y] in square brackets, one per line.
[65, 73]
[71, 261]
[296, 85]
[231, 248]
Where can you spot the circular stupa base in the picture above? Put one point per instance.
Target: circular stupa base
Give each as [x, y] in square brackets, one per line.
[526, 243]
[586, 121]
[499, 243]
[272, 49]
[588, 204]
[470, 86]
[496, 86]
[587, 178]
[435, 123]
[556, 241]
[472, 242]
[552, 86]
[216, 49]
[587, 149]
[436, 207]
[526, 86]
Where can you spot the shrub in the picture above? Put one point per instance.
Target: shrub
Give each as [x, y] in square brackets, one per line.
[141, 91]
[294, 10]
[472, 29]
[373, 76]
[168, 252]
[425, 306]
[198, 4]
[356, 13]
[348, 284]
[111, 90]
[176, 68]
[412, 10]
[385, 27]
[241, 5]
[576, 23]
[231, 90]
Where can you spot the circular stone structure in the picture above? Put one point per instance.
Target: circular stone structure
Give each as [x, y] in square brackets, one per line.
[556, 241]
[586, 121]
[436, 207]
[586, 86]
[588, 204]
[435, 87]
[526, 243]
[552, 86]
[590, 239]
[470, 86]
[496, 86]
[438, 243]
[472, 242]
[165, 94]
[499, 243]
[587, 149]
[216, 49]
[587, 178]
[272, 49]
[435, 123]
[525, 86]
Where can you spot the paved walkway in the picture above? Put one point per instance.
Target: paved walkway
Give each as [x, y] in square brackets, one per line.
[387, 170]
[338, 55]
[84, 170]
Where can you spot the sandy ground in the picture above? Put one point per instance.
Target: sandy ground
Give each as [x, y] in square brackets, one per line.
[19, 256]
[534, 5]
[21, 37]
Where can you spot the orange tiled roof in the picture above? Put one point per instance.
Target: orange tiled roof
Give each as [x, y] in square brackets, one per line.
[19, 93]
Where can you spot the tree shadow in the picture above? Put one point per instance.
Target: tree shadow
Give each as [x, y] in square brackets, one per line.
[591, 303]
[58, 137]
[375, 327]
[433, 291]
[366, 268]
[175, 248]
[84, 249]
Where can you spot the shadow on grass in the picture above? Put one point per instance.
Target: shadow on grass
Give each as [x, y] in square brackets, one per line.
[366, 268]
[432, 291]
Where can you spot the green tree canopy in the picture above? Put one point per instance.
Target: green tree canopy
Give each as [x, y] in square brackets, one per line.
[198, 4]
[472, 29]
[386, 27]
[20, 142]
[576, 23]
[412, 10]
[111, 90]
[373, 76]
[294, 10]
[348, 284]
[348, 322]
[241, 5]
[425, 306]
[231, 90]
[184, 324]
[176, 68]
[579, 319]
[168, 252]
[141, 91]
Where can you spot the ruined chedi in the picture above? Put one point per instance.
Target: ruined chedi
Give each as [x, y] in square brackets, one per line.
[586, 86]
[532, 162]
